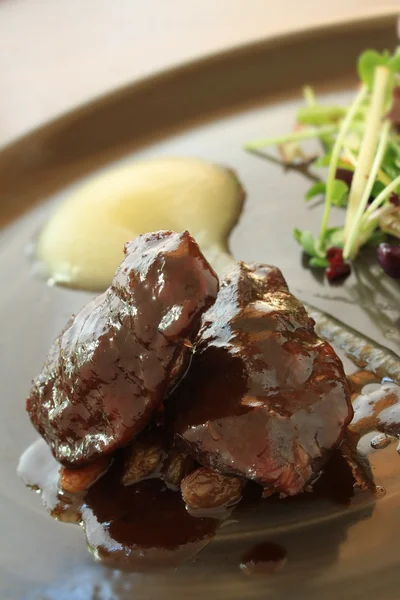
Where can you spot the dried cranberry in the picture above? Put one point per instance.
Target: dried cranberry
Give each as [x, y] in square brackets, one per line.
[337, 272]
[389, 259]
[334, 255]
[338, 268]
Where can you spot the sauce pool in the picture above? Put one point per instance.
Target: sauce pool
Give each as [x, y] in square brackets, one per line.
[264, 559]
[134, 527]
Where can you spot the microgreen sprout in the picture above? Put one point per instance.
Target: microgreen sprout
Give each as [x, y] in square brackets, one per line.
[361, 149]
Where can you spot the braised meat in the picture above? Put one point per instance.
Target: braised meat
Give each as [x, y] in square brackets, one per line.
[265, 398]
[118, 358]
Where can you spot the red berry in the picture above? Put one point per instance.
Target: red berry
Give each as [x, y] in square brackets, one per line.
[334, 255]
[338, 268]
[389, 259]
[337, 272]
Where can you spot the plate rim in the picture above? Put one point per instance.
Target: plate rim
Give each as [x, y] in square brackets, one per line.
[389, 15]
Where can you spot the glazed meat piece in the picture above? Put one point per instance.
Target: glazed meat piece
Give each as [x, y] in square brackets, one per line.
[265, 398]
[116, 360]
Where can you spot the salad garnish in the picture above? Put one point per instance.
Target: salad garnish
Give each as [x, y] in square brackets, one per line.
[361, 152]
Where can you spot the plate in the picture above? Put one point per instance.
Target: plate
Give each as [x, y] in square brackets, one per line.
[206, 109]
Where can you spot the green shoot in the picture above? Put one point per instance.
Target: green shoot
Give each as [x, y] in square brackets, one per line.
[320, 115]
[368, 147]
[336, 154]
[295, 136]
[350, 247]
[384, 195]
[309, 95]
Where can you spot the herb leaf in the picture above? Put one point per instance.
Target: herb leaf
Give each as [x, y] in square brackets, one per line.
[297, 234]
[334, 237]
[317, 189]
[367, 63]
[394, 61]
[308, 243]
[318, 261]
[323, 160]
[340, 191]
[376, 238]
[377, 188]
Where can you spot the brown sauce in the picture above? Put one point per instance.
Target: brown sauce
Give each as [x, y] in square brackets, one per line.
[263, 559]
[142, 525]
[336, 483]
[133, 527]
